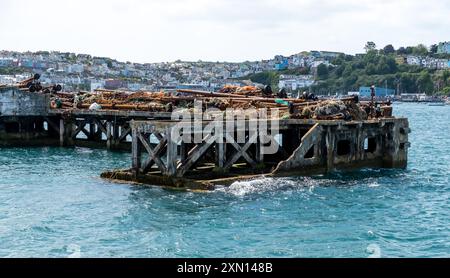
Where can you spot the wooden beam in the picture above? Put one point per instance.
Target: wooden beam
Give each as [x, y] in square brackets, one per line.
[123, 134]
[151, 153]
[100, 125]
[195, 154]
[240, 151]
[155, 156]
[80, 128]
[220, 154]
[61, 132]
[330, 143]
[172, 153]
[136, 153]
[108, 135]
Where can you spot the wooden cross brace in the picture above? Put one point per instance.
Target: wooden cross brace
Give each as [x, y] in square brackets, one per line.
[80, 128]
[154, 154]
[195, 154]
[126, 130]
[240, 151]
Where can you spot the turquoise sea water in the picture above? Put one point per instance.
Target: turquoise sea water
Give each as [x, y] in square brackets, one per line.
[52, 204]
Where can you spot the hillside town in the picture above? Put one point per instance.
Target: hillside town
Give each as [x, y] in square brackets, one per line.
[85, 72]
[89, 73]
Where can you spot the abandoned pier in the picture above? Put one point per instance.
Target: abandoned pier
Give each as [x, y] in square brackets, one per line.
[306, 143]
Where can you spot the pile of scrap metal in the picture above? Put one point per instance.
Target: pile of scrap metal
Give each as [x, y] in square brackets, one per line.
[114, 100]
[255, 91]
[230, 97]
[33, 85]
[306, 107]
[347, 109]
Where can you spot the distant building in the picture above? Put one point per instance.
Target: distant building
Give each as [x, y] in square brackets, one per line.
[443, 48]
[113, 84]
[282, 64]
[295, 82]
[414, 60]
[379, 92]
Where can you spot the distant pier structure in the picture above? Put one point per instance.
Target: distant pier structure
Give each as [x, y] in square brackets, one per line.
[158, 157]
[27, 120]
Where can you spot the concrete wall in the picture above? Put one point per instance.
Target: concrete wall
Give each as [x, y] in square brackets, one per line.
[14, 102]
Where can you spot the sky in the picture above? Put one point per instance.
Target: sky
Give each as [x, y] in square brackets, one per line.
[148, 31]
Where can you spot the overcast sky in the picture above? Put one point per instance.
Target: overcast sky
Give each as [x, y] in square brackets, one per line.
[217, 30]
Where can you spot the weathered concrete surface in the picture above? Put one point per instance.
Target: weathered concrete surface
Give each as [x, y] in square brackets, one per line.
[14, 102]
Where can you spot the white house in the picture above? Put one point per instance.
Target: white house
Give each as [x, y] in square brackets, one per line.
[294, 82]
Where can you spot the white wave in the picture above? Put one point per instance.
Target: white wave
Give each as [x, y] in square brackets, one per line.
[374, 184]
[242, 188]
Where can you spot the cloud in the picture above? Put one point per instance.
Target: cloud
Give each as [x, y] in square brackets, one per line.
[232, 30]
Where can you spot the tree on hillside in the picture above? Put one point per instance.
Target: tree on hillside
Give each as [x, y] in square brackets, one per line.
[266, 78]
[401, 51]
[389, 49]
[371, 69]
[425, 83]
[322, 71]
[420, 50]
[370, 46]
[409, 50]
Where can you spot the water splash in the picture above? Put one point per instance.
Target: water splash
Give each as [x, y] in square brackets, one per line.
[264, 185]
